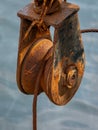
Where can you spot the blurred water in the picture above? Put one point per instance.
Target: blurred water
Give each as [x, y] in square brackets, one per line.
[16, 108]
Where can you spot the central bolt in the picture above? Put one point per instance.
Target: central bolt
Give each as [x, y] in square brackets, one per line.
[71, 76]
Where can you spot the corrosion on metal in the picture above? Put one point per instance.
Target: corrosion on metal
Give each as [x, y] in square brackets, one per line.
[63, 57]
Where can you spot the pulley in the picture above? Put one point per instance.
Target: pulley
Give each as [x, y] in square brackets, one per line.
[63, 58]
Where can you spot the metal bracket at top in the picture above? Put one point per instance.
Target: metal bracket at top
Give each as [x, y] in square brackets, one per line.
[67, 9]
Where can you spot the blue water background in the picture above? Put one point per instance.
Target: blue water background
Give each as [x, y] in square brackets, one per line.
[81, 113]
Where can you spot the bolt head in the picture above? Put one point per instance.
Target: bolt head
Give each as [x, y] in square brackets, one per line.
[71, 76]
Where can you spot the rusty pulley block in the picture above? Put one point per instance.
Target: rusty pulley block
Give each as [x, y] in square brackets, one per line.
[63, 58]
[55, 66]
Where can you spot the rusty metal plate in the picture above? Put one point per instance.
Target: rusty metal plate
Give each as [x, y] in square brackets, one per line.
[64, 71]
[54, 19]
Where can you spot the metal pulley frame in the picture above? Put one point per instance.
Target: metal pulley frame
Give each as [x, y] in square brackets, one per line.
[63, 58]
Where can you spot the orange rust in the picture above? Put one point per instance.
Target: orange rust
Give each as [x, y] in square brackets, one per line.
[56, 78]
[80, 67]
[53, 6]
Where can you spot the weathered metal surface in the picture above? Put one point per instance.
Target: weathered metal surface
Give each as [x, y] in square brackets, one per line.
[66, 68]
[32, 64]
[64, 57]
[54, 7]
[54, 19]
[23, 50]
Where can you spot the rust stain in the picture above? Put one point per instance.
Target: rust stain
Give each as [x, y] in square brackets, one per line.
[58, 80]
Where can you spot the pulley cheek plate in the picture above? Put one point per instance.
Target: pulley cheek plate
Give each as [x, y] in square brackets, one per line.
[65, 75]
[64, 67]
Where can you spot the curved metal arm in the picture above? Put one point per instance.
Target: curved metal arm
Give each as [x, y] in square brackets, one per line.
[65, 67]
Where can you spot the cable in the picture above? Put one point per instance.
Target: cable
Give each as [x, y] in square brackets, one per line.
[89, 30]
[34, 106]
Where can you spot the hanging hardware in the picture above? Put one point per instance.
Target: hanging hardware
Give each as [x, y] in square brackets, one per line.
[64, 57]
[54, 67]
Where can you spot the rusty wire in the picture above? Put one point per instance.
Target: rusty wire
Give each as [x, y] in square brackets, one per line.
[89, 30]
[34, 105]
[39, 22]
